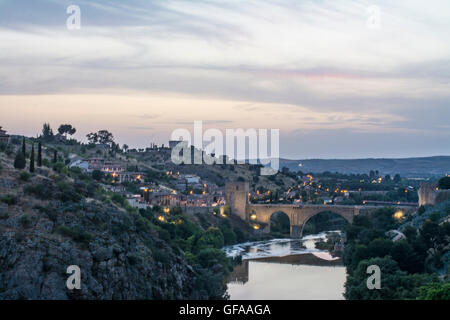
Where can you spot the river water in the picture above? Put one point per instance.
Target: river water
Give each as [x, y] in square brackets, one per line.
[286, 269]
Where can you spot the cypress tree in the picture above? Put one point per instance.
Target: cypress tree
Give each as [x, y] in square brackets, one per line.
[24, 149]
[39, 157]
[32, 159]
[55, 156]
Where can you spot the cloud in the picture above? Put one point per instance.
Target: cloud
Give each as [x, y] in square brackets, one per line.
[280, 58]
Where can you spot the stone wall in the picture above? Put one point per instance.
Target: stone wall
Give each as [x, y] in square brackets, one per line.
[430, 195]
[200, 210]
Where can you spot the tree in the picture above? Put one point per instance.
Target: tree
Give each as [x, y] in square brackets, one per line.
[435, 291]
[397, 178]
[98, 175]
[39, 157]
[65, 129]
[32, 159]
[55, 156]
[395, 284]
[105, 137]
[20, 161]
[125, 147]
[24, 148]
[444, 183]
[47, 132]
[212, 238]
[92, 137]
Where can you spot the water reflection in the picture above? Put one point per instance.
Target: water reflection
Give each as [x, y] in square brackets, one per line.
[288, 269]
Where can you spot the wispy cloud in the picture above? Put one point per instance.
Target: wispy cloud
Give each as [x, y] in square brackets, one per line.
[301, 57]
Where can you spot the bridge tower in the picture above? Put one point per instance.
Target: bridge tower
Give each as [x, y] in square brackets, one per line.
[236, 196]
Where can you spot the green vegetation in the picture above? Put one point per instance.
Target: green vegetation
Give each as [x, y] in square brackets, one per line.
[65, 129]
[39, 156]
[9, 199]
[25, 221]
[25, 176]
[444, 183]
[406, 265]
[20, 162]
[435, 291]
[77, 233]
[395, 284]
[32, 159]
[202, 248]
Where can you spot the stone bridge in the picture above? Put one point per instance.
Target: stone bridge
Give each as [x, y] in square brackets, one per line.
[298, 215]
[236, 194]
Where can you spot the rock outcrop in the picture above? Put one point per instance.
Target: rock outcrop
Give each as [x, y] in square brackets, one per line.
[119, 253]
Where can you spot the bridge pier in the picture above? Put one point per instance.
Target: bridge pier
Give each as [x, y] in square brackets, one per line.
[296, 231]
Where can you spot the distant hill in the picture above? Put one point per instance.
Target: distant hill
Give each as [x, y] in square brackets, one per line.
[407, 167]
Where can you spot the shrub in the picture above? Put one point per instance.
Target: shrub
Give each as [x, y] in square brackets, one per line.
[210, 257]
[435, 291]
[76, 233]
[444, 183]
[20, 161]
[98, 175]
[46, 162]
[25, 176]
[421, 210]
[133, 259]
[51, 212]
[119, 199]
[25, 221]
[9, 199]
[60, 168]
[212, 238]
[67, 192]
[41, 191]
[161, 256]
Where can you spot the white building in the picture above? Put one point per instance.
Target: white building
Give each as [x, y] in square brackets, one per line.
[192, 179]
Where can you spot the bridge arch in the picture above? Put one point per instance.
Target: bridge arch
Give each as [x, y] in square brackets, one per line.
[344, 217]
[280, 222]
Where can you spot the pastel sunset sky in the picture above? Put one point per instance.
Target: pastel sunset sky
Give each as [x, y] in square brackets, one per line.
[335, 87]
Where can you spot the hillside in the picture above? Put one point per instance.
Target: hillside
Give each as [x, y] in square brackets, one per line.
[50, 220]
[407, 167]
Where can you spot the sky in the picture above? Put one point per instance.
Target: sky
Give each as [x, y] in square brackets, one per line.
[337, 81]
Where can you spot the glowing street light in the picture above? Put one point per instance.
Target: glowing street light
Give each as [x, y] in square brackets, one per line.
[399, 215]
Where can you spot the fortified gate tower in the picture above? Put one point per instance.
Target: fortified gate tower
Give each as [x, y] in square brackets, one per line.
[236, 196]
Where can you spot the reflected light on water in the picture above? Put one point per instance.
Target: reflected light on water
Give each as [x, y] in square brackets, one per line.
[286, 269]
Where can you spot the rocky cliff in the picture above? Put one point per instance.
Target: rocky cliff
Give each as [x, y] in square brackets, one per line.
[50, 222]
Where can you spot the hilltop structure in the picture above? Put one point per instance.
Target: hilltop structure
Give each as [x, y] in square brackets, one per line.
[4, 138]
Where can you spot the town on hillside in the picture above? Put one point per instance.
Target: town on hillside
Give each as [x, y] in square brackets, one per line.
[147, 177]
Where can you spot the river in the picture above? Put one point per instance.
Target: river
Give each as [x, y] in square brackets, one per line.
[286, 269]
